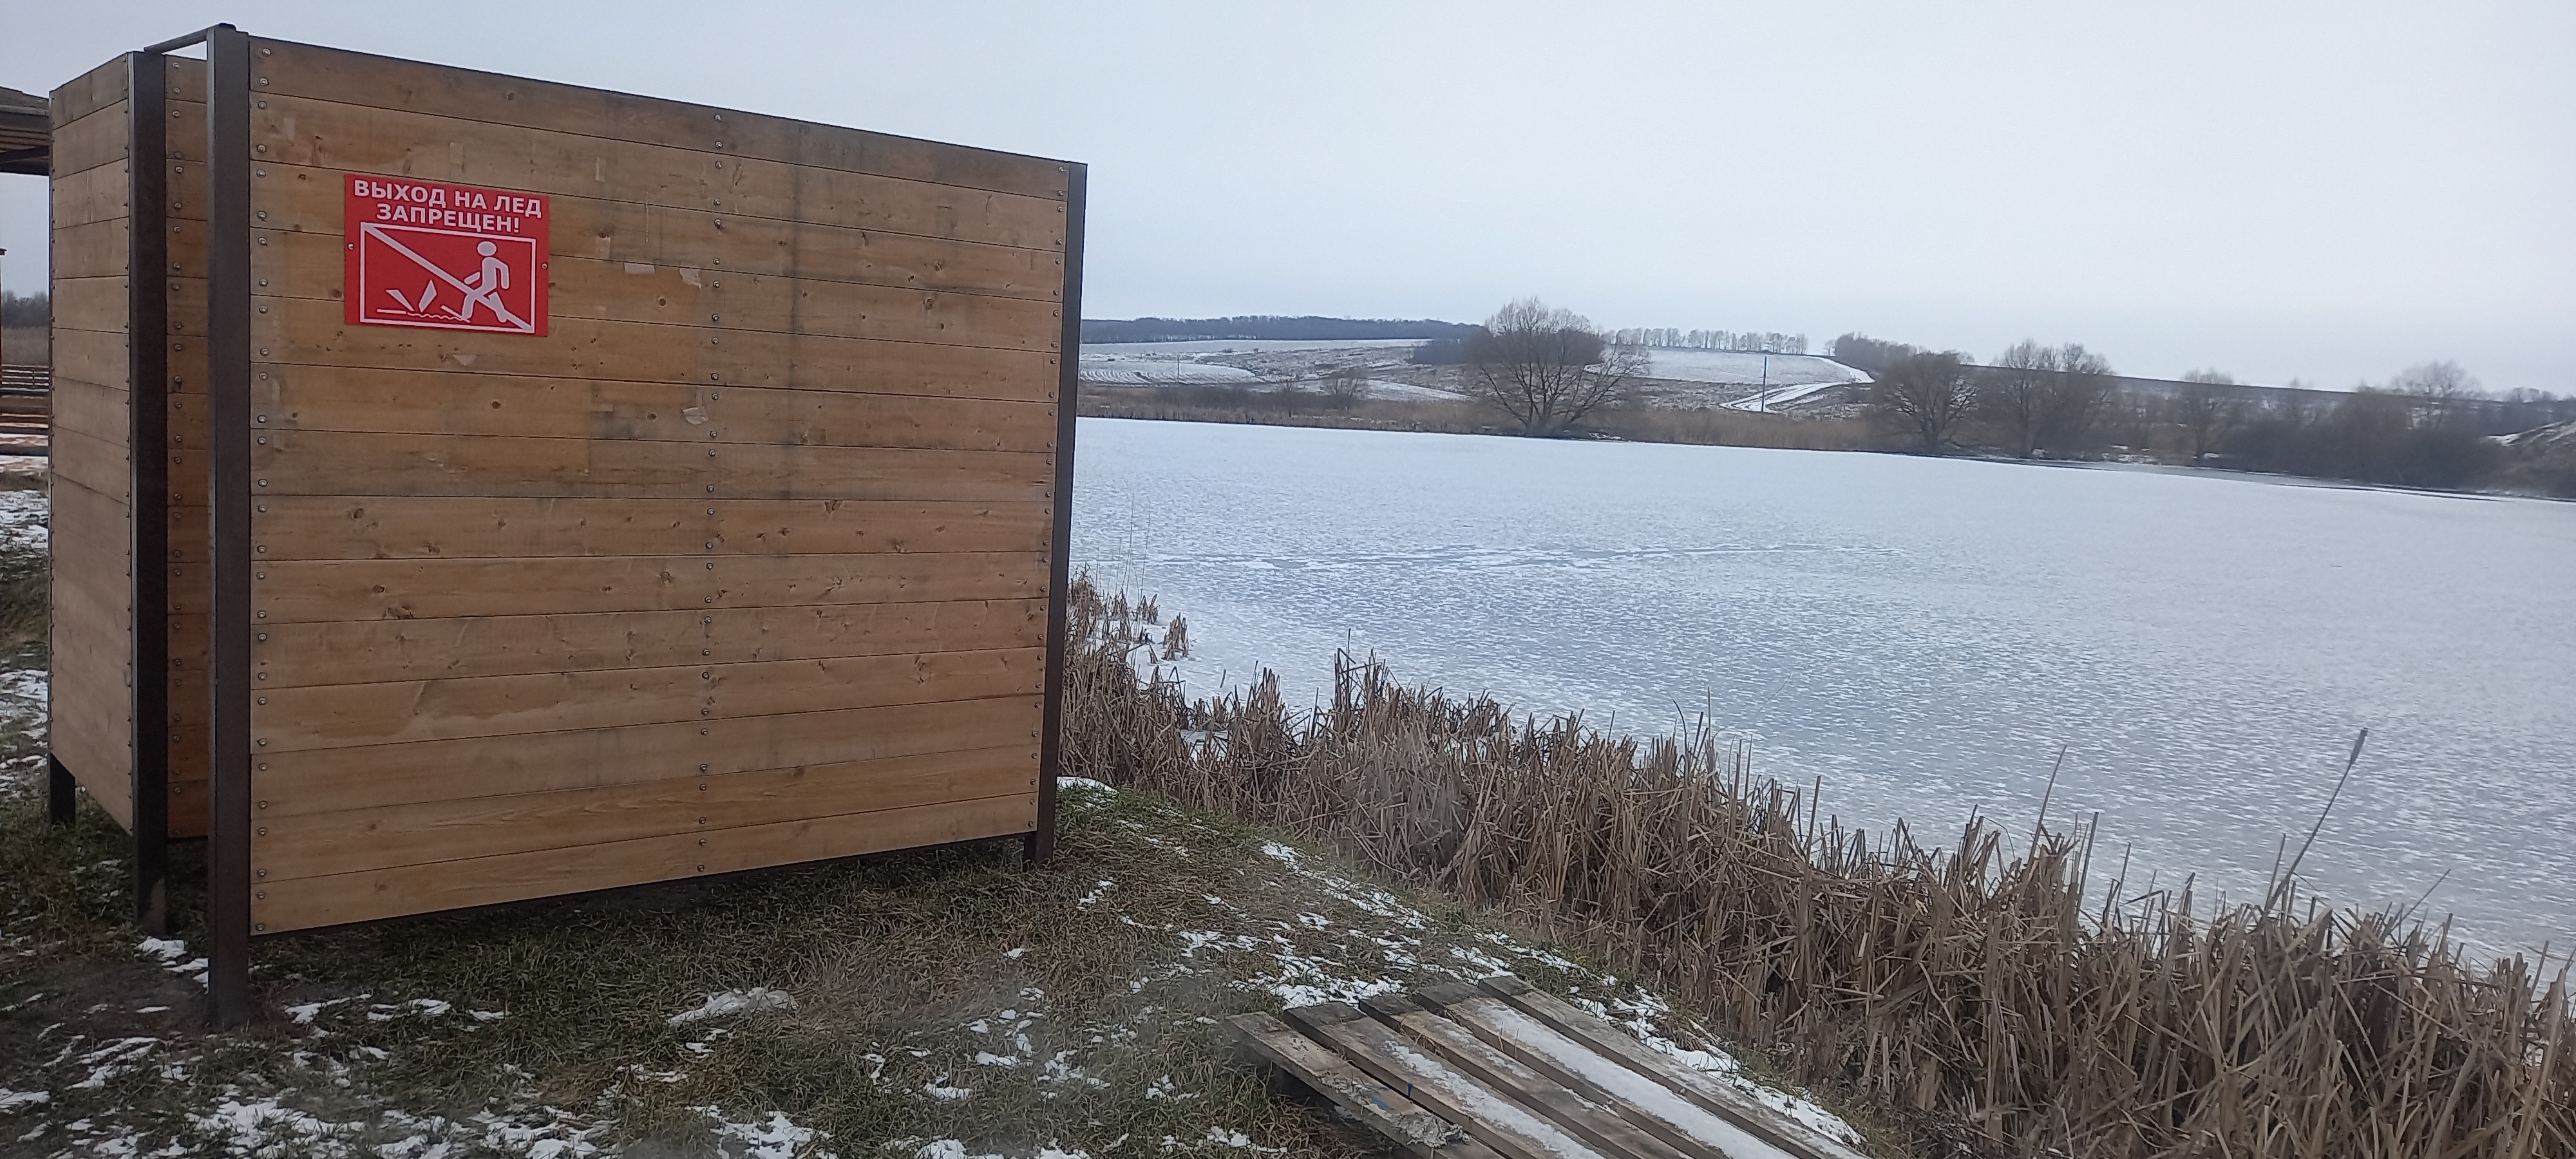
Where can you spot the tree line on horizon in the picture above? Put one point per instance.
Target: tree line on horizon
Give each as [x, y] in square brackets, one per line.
[2424, 427]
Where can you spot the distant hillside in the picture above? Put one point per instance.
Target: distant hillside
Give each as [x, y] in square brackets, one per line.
[1271, 326]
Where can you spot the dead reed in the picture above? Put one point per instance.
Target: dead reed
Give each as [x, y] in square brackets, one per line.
[1966, 988]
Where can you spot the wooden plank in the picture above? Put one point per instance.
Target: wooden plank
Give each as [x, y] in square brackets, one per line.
[186, 424]
[300, 592]
[92, 195]
[92, 462]
[1366, 1099]
[90, 409]
[368, 651]
[319, 901]
[344, 715]
[456, 527]
[1597, 1077]
[419, 402]
[92, 356]
[97, 249]
[335, 75]
[1484, 1112]
[725, 300]
[188, 642]
[1708, 1094]
[89, 92]
[314, 844]
[98, 304]
[187, 305]
[187, 361]
[325, 780]
[1534, 1091]
[314, 333]
[699, 249]
[97, 139]
[394, 143]
[345, 463]
[190, 537]
[87, 519]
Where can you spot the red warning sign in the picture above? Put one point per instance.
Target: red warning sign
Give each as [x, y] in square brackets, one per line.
[447, 257]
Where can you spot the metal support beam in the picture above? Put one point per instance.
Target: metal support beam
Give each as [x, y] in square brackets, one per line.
[61, 791]
[1041, 842]
[147, 336]
[228, 364]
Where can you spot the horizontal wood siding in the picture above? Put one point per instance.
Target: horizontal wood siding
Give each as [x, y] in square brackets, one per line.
[185, 288]
[746, 562]
[92, 700]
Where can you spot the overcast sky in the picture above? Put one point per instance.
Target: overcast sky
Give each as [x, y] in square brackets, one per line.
[2327, 191]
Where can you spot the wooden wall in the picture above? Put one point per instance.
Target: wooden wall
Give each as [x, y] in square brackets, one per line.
[746, 562]
[93, 540]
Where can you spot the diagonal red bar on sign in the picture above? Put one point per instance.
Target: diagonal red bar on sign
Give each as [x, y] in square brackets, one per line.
[490, 299]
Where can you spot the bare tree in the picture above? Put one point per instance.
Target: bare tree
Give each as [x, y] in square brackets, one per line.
[1345, 387]
[1547, 368]
[1925, 397]
[2438, 389]
[2208, 410]
[2043, 396]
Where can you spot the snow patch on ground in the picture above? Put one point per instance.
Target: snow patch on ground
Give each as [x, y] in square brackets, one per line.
[730, 1003]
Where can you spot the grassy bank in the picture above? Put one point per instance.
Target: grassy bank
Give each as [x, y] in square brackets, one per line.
[1970, 992]
[941, 1003]
[1645, 424]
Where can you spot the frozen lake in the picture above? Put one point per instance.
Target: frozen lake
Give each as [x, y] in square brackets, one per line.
[1923, 634]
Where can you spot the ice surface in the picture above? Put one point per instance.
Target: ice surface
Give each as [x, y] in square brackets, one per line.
[1924, 633]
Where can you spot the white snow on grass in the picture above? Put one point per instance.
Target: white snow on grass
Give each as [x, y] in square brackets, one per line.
[1781, 396]
[730, 1003]
[1246, 346]
[1736, 368]
[774, 1138]
[1113, 371]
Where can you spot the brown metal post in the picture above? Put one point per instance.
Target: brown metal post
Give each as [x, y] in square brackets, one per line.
[147, 337]
[60, 791]
[228, 362]
[1041, 844]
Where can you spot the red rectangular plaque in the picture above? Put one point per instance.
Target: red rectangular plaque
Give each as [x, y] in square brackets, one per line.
[446, 257]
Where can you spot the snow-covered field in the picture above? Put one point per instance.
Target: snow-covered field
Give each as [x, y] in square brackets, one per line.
[1924, 633]
[1729, 368]
[1245, 346]
[1118, 370]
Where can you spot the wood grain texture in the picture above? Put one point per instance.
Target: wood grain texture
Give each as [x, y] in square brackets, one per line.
[427, 402]
[372, 651]
[467, 526]
[91, 195]
[331, 74]
[89, 92]
[101, 138]
[97, 357]
[303, 903]
[307, 217]
[310, 266]
[395, 143]
[96, 249]
[344, 715]
[309, 844]
[93, 304]
[314, 333]
[302, 592]
[328, 780]
[356, 463]
[93, 462]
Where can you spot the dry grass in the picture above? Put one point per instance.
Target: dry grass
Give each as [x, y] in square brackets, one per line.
[1717, 427]
[1967, 990]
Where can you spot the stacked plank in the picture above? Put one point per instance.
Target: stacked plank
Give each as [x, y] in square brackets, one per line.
[1504, 1071]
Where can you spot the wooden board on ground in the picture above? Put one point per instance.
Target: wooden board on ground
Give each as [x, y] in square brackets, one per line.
[1510, 1071]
